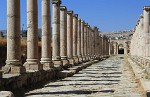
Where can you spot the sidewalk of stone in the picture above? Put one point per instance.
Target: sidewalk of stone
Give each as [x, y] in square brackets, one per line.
[140, 76]
[109, 78]
[73, 70]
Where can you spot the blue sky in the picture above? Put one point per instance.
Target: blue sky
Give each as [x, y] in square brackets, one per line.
[108, 15]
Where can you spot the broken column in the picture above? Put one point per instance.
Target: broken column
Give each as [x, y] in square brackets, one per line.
[13, 61]
[63, 35]
[32, 36]
[75, 35]
[46, 59]
[70, 37]
[56, 33]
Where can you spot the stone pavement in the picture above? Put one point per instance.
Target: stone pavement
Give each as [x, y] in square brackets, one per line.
[108, 78]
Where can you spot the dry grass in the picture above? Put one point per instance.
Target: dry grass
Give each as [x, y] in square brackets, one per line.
[3, 42]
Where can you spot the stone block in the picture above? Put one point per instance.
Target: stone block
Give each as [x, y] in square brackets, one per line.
[58, 63]
[65, 62]
[47, 66]
[37, 66]
[6, 94]
[14, 69]
[71, 61]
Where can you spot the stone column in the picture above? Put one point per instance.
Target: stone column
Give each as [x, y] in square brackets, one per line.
[100, 46]
[88, 43]
[46, 59]
[56, 33]
[82, 40]
[79, 41]
[147, 29]
[85, 41]
[33, 62]
[13, 62]
[75, 35]
[70, 37]
[63, 35]
[125, 48]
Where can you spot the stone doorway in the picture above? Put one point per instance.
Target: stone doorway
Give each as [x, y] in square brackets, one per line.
[121, 51]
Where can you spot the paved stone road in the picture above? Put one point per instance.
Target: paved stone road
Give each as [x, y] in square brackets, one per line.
[109, 78]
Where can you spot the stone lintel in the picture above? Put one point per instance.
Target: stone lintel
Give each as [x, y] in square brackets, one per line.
[147, 8]
[63, 8]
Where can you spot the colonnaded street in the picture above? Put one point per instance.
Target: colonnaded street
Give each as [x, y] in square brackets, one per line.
[112, 77]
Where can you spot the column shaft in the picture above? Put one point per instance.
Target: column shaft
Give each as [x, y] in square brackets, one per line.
[70, 36]
[79, 41]
[82, 40]
[46, 59]
[32, 36]
[56, 33]
[63, 35]
[75, 35]
[13, 62]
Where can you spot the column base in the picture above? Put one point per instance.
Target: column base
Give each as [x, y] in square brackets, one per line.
[71, 62]
[76, 59]
[80, 59]
[58, 63]
[12, 69]
[66, 63]
[47, 65]
[33, 66]
[83, 59]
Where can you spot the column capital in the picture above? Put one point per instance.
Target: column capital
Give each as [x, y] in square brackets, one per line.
[82, 21]
[75, 15]
[63, 8]
[56, 2]
[147, 8]
[79, 19]
[70, 12]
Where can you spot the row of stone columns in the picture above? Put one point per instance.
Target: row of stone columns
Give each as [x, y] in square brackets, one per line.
[140, 43]
[73, 41]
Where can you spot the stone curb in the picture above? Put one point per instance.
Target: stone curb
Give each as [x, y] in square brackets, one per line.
[75, 69]
[145, 83]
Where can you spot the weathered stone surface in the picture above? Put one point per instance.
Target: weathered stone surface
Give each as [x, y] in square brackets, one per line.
[105, 79]
[6, 94]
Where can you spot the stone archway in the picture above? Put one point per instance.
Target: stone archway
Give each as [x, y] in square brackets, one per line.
[120, 49]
